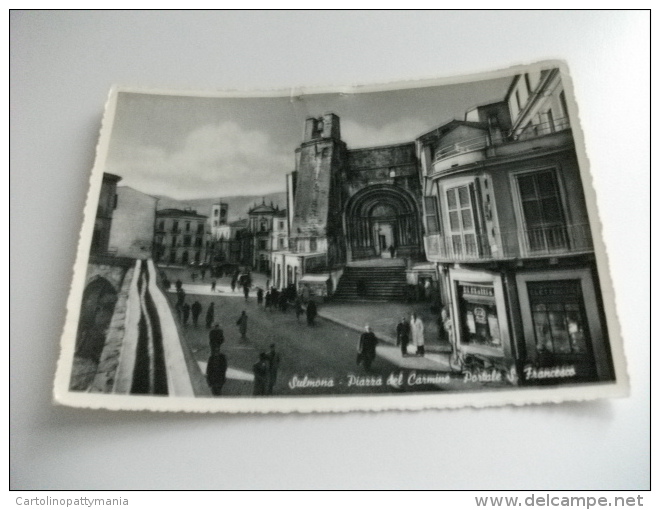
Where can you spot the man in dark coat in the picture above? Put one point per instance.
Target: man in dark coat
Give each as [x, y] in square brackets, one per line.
[403, 336]
[367, 348]
[216, 337]
[196, 310]
[299, 309]
[283, 302]
[273, 366]
[242, 323]
[260, 370]
[311, 312]
[180, 297]
[210, 315]
[216, 371]
[260, 296]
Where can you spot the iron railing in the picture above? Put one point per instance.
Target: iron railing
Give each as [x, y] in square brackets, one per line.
[533, 242]
[514, 135]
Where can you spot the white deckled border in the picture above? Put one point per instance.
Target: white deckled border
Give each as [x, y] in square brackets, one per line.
[184, 401]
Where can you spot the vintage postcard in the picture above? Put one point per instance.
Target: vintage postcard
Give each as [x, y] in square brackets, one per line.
[416, 245]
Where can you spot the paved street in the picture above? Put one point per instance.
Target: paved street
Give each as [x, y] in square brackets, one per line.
[312, 358]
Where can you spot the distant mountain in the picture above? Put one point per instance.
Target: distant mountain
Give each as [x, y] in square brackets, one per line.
[238, 206]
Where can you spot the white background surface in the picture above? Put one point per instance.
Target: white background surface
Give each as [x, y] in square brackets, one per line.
[62, 66]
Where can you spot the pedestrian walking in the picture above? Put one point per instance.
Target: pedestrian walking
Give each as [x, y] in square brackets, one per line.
[367, 348]
[268, 300]
[196, 310]
[284, 303]
[216, 371]
[417, 329]
[311, 313]
[299, 309]
[260, 371]
[260, 296]
[242, 323]
[246, 291]
[166, 283]
[178, 285]
[180, 296]
[216, 337]
[185, 308]
[210, 315]
[203, 273]
[403, 336]
[273, 367]
[233, 283]
[213, 284]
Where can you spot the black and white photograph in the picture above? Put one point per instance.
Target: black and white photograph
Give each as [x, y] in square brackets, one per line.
[486, 171]
[426, 244]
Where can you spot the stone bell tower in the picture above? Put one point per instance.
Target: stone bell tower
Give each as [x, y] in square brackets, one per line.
[320, 159]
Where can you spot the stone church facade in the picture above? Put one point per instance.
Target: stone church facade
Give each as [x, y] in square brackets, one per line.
[348, 207]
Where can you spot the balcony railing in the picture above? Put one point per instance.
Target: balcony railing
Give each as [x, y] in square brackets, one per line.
[535, 130]
[473, 144]
[481, 142]
[530, 243]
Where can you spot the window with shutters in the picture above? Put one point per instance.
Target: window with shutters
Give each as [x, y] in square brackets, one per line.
[462, 235]
[543, 213]
[432, 221]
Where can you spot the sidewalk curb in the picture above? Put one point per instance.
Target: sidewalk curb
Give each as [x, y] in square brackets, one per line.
[360, 329]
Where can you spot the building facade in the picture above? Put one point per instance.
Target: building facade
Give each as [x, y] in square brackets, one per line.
[507, 227]
[133, 223]
[231, 245]
[217, 222]
[181, 237]
[349, 206]
[104, 213]
[268, 228]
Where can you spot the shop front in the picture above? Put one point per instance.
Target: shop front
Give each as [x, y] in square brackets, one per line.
[564, 340]
[480, 320]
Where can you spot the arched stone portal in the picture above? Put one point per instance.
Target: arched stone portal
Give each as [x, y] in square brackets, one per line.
[98, 305]
[380, 217]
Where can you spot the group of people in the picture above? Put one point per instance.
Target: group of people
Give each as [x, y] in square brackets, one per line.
[275, 299]
[242, 280]
[410, 332]
[185, 311]
[407, 332]
[264, 370]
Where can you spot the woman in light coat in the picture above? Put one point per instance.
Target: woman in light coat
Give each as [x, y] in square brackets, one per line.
[417, 330]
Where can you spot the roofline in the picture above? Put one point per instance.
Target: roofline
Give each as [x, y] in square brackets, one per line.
[382, 146]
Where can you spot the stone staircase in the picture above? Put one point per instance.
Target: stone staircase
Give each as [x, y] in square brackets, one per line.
[373, 281]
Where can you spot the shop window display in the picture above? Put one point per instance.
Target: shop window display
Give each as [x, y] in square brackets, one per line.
[479, 318]
[559, 321]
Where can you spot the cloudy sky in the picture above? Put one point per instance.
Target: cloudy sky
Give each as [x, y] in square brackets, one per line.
[198, 147]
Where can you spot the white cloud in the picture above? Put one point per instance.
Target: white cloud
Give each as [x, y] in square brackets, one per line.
[215, 160]
[359, 135]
